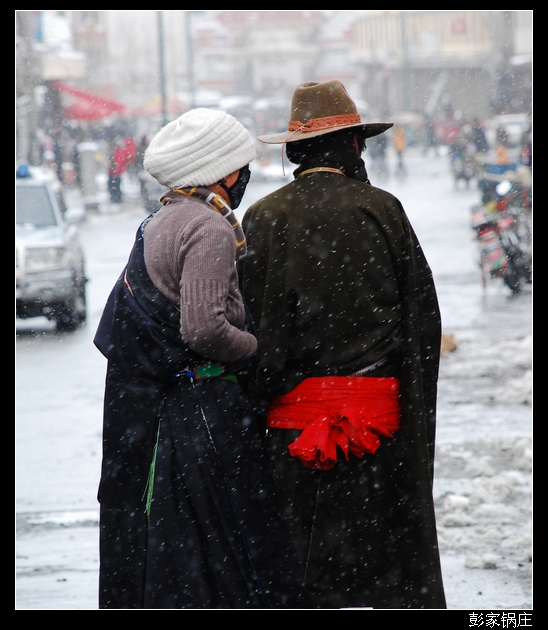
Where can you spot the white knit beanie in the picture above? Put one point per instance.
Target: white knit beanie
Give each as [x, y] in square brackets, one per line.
[199, 148]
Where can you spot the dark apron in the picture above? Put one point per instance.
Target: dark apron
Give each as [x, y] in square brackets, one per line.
[215, 537]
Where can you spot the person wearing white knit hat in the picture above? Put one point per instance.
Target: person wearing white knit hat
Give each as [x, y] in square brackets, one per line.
[199, 148]
[189, 516]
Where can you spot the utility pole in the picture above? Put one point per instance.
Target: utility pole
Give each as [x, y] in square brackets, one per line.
[162, 67]
[406, 87]
[190, 59]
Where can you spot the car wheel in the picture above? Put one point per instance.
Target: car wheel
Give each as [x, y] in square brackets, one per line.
[74, 312]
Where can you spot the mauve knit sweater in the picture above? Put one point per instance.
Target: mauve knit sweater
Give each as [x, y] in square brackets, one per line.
[190, 254]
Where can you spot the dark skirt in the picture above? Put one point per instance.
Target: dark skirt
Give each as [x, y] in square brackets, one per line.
[215, 536]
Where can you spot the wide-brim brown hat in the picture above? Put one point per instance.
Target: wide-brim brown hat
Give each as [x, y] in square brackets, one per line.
[320, 108]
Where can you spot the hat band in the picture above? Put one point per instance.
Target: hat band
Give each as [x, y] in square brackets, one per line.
[318, 124]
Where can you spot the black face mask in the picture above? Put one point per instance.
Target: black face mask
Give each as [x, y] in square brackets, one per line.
[236, 192]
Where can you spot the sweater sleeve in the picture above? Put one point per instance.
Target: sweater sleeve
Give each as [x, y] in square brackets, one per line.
[212, 310]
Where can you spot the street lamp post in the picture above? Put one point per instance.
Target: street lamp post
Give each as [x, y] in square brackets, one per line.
[405, 63]
[190, 58]
[162, 66]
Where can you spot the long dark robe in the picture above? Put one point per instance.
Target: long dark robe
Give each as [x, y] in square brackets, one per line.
[336, 280]
[215, 537]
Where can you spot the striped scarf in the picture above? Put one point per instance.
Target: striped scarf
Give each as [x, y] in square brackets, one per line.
[217, 203]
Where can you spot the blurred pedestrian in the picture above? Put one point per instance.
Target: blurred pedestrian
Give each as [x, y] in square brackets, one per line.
[526, 148]
[142, 146]
[431, 139]
[479, 137]
[502, 143]
[116, 168]
[130, 148]
[189, 517]
[399, 143]
[349, 336]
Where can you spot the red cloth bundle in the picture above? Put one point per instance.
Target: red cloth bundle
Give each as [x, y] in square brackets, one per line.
[331, 411]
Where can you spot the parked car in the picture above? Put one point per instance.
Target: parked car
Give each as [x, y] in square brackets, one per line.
[50, 274]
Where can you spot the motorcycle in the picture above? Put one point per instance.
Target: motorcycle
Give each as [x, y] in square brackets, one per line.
[503, 232]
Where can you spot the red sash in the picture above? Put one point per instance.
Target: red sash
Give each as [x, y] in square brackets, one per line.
[331, 411]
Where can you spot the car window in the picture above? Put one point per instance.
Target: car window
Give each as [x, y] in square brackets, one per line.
[33, 206]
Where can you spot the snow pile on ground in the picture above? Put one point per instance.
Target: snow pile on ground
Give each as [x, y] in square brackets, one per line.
[483, 477]
[487, 514]
[505, 367]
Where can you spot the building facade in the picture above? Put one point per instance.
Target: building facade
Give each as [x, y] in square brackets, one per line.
[439, 63]
[476, 63]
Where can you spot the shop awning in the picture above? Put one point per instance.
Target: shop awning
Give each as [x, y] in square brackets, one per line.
[88, 106]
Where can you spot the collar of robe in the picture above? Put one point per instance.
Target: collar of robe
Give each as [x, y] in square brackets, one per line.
[317, 169]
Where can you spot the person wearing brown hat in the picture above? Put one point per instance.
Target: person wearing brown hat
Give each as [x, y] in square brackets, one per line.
[349, 336]
[188, 512]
